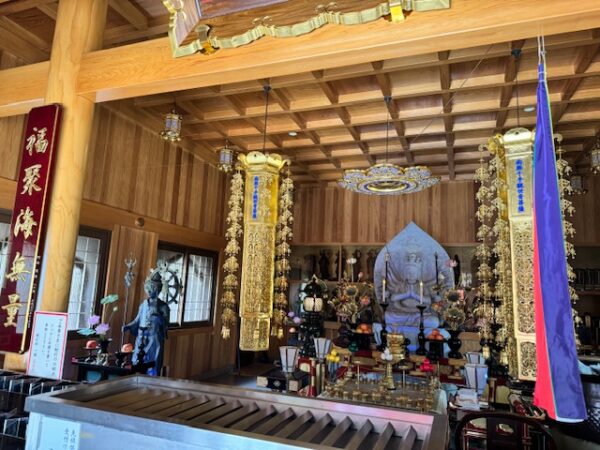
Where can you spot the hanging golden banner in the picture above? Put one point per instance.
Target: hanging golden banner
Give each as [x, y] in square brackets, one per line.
[260, 220]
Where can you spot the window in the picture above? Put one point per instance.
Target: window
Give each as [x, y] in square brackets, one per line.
[87, 281]
[4, 239]
[197, 272]
[89, 268]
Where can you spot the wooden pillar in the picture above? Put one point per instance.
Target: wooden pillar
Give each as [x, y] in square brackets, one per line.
[79, 29]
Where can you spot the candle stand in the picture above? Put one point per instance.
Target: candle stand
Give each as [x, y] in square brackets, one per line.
[421, 351]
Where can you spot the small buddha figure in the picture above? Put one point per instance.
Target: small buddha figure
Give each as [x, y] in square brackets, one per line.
[333, 268]
[150, 326]
[356, 267]
[371, 255]
[324, 265]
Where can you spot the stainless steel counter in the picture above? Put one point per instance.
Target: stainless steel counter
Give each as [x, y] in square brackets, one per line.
[140, 412]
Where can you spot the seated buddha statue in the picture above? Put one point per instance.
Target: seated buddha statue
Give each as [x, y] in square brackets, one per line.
[416, 272]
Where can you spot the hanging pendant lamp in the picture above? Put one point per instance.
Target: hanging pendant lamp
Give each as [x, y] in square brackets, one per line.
[387, 178]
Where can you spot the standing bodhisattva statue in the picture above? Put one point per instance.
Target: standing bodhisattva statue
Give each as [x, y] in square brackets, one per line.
[150, 326]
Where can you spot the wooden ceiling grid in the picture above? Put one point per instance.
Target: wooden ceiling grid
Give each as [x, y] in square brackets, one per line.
[444, 104]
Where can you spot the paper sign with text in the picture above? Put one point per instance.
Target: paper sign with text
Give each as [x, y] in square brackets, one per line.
[58, 434]
[48, 344]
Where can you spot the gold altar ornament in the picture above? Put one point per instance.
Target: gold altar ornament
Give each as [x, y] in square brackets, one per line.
[18, 269]
[24, 223]
[32, 175]
[314, 16]
[12, 308]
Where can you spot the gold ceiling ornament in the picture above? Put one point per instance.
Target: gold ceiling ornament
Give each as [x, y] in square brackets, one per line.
[387, 178]
[317, 16]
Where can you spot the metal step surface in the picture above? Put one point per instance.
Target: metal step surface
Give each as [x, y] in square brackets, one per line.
[221, 413]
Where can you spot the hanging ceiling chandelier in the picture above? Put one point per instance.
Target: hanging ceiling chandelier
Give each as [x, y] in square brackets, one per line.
[387, 178]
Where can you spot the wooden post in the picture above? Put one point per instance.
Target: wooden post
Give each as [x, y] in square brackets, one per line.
[79, 29]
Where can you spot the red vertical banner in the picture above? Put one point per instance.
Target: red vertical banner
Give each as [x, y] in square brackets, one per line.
[27, 231]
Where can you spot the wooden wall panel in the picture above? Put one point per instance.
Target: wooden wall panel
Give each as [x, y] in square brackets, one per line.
[587, 213]
[334, 215]
[132, 169]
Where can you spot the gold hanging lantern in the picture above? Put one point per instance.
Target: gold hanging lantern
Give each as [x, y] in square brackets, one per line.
[226, 158]
[172, 129]
[595, 155]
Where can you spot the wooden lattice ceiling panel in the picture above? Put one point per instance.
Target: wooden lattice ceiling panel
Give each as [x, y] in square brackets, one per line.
[444, 106]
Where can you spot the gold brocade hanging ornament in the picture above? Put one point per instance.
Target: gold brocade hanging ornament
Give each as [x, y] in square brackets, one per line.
[282, 252]
[564, 189]
[232, 250]
[261, 218]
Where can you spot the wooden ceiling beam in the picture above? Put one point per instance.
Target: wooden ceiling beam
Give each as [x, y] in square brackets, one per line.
[17, 6]
[12, 42]
[450, 154]
[234, 103]
[360, 71]
[37, 42]
[298, 120]
[190, 108]
[399, 124]
[126, 33]
[384, 82]
[582, 62]
[584, 58]
[166, 98]
[50, 9]
[281, 99]
[130, 13]
[327, 88]
[148, 67]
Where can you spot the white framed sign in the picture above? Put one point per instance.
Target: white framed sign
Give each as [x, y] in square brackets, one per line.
[48, 345]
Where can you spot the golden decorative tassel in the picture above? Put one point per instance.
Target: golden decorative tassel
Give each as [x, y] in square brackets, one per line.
[282, 252]
[232, 250]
